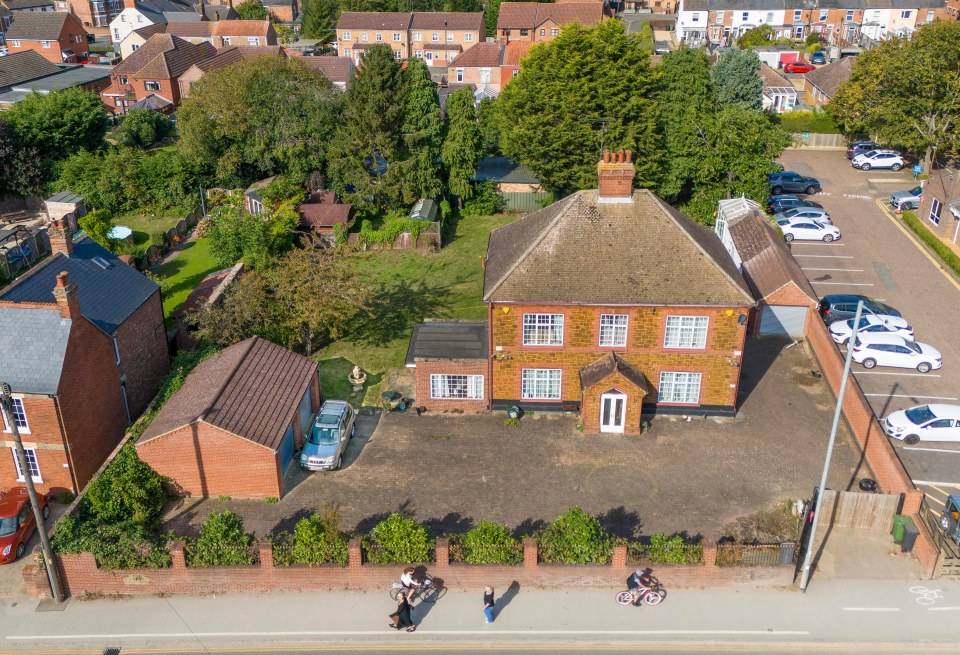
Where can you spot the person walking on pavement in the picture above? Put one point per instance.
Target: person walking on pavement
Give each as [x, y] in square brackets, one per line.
[488, 603]
[401, 618]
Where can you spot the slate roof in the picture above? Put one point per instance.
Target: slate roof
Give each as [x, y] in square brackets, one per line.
[829, 78]
[527, 15]
[251, 389]
[37, 25]
[182, 17]
[482, 55]
[217, 12]
[66, 197]
[451, 20]
[503, 169]
[164, 57]
[33, 343]
[336, 69]
[606, 366]
[19, 5]
[448, 340]
[23, 66]
[374, 20]
[108, 296]
[581, 251]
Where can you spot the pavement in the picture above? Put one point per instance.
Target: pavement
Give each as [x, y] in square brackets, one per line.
[879, 257]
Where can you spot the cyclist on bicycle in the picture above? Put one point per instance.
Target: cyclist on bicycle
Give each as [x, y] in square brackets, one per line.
[409, 580]
[639, 581]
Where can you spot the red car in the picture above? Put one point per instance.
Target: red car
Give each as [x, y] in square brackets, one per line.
[798, 67]
[17, 522]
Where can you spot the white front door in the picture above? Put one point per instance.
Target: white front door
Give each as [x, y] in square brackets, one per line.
[613, 412]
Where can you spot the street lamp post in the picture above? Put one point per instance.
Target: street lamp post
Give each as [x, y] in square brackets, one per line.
[808, 558]
[48, 561]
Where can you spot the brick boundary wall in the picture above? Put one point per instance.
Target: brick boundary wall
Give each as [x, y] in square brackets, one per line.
[81, 575]
[874, 444]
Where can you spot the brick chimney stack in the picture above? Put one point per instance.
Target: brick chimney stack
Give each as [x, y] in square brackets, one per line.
[66, 294]
[61, 236]
[615, 177]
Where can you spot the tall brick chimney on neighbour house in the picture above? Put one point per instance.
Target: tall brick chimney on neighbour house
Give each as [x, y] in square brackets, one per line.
[615, 177]
[66, 294]
[61, 236]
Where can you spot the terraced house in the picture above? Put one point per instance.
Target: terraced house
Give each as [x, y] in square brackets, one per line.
[609, 303]
[436, 37]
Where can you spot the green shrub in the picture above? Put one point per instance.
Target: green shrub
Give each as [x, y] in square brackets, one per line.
[141, 128]
[97, 225]
[128, 490]
[120, 545]
[575, 537]
[222, 542]
[485, 200]
[943, 251]
[487, 543]
[391, 229]
[671, 550]
[818, 122]
[398, 540]
[315, 540]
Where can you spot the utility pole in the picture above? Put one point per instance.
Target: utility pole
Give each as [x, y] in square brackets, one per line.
[808, 558]
[48, 561]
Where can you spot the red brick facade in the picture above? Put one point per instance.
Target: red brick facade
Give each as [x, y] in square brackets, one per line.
[144, 356]
[72, 37]
[427, 367]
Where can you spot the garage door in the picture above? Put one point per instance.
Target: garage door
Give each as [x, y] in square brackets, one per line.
[286, 449]
[781, 319]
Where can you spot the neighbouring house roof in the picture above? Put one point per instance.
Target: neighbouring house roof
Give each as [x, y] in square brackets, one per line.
[516, 50]
[67, 197]
[251, 389]
[109, 290]
[527, 15]
[153, 102]
[374, 20]
[66, 77]
[277, 3]
[504, 170]
[581, 251]
[23, 66]
[164, 57]
[448, 340]
[34, 343]
[37, 25]
[19, 5]
[164, 6]
[182, 17]
[449, 20]
[148, 31]
[232, 54]
[772, 79]
[221, 28]
[336, 69]
[323, 213]
[607, 366]
[829, 78]
[745, 5]
[482, 55]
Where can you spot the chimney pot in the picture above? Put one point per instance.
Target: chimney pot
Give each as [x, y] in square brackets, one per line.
[615, 177]
[61, 236]
[629, 156]
[606, 156]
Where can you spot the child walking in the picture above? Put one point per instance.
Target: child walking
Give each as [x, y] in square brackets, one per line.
[488, 603]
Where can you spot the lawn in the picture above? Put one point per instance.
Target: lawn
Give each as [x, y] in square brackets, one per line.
[184, 272]
[409, 287]
[145, 225]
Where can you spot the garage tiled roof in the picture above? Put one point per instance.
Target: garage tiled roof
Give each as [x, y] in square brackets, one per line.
[251, 389]
[581, 251]
[829, 78]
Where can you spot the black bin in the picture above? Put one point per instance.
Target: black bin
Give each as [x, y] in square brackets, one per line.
[910, 534]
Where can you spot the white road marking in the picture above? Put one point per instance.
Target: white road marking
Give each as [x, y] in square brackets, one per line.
[889, 180]
[942, 609]
[855, 196]
[847, 270]
[832, 244]
[798, 254]
[849, 284]
[903, 375]
[871, 609]
[934, 450]
[885, 395]
[936, 484]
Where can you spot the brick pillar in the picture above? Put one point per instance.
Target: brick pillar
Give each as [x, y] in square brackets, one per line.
[619, 558]
[356, 554]
[443, 553]
[266, 556]
[177, 554]
[709, 554]
[911, 503]
[531, 553]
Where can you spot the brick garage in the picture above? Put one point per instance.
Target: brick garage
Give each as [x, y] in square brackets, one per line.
[233, 427]
[450, 362]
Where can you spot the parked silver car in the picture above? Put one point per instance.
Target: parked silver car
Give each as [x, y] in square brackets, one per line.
[331, 432]
[818, 214]
[909, 199]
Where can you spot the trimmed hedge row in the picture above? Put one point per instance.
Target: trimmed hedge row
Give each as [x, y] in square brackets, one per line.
[949, 257]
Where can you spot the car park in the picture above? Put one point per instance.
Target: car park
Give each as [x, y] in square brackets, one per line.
[781, 203]
[17, 522]
[798, 67]
[878, 159]
[841, 331]
[924, 423]
[909, 199]
[888, 349]
[843, 306]
[796, 214]
[331, 432]
[807, 230]
[819, 57]
[793, 183]
[859, 147]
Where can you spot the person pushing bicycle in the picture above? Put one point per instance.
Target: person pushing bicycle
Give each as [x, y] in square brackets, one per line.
[409, 580]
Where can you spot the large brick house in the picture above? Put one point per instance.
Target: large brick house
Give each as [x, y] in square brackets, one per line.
[57, 36]
[234, 425]
[225, 32]
[120, 301]
[940, 204]
[609, 303]
[541, 21]
[95, 15]
[436, 37]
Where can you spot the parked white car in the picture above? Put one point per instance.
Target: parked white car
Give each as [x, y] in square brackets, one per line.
[924, 423]
[798, 214]
[888, 349]
[870, 323]
[807, 230]
[878, 159]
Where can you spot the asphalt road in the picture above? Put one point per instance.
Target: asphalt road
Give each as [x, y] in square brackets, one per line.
[877, 257]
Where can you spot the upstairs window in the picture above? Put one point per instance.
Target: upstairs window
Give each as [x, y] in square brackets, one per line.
[613, 330]
[686, 332]
[19, 415]
[543, 329]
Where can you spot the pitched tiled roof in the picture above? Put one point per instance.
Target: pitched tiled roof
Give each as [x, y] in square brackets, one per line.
[606, 366]
[192, 29]
[150, 30]
[517, 50]
[581, 251]
[19, 5]
[772, 79]
[335, 69]
[109, 291]
[33, 343]
[324, 214]
[482, 55]
[527, 15]
[241, 28]
[251, 389]
[164, 57]
[25, 65]
[218, 12]
[374, 20]
[37, 25]
[451, 20]
[829, 78]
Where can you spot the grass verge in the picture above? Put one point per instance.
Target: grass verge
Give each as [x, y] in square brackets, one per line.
[182, 273]
[943, 251]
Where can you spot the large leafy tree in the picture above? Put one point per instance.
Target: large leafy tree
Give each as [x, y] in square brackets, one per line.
[252, 10]
[259, 117]
[463, 145]
[366, 152]
[907, 92]
[422, 134]
[319, 19]
[736, 79]
[589, 87]
[142, 128]
[60, 123]
[21, 170]
[759, 35]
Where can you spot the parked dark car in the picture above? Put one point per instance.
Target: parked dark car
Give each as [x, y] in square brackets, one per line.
[798, 67]
[860, 147]
[843, 306]
[793, 183]
[819, 57]
[777, 204]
